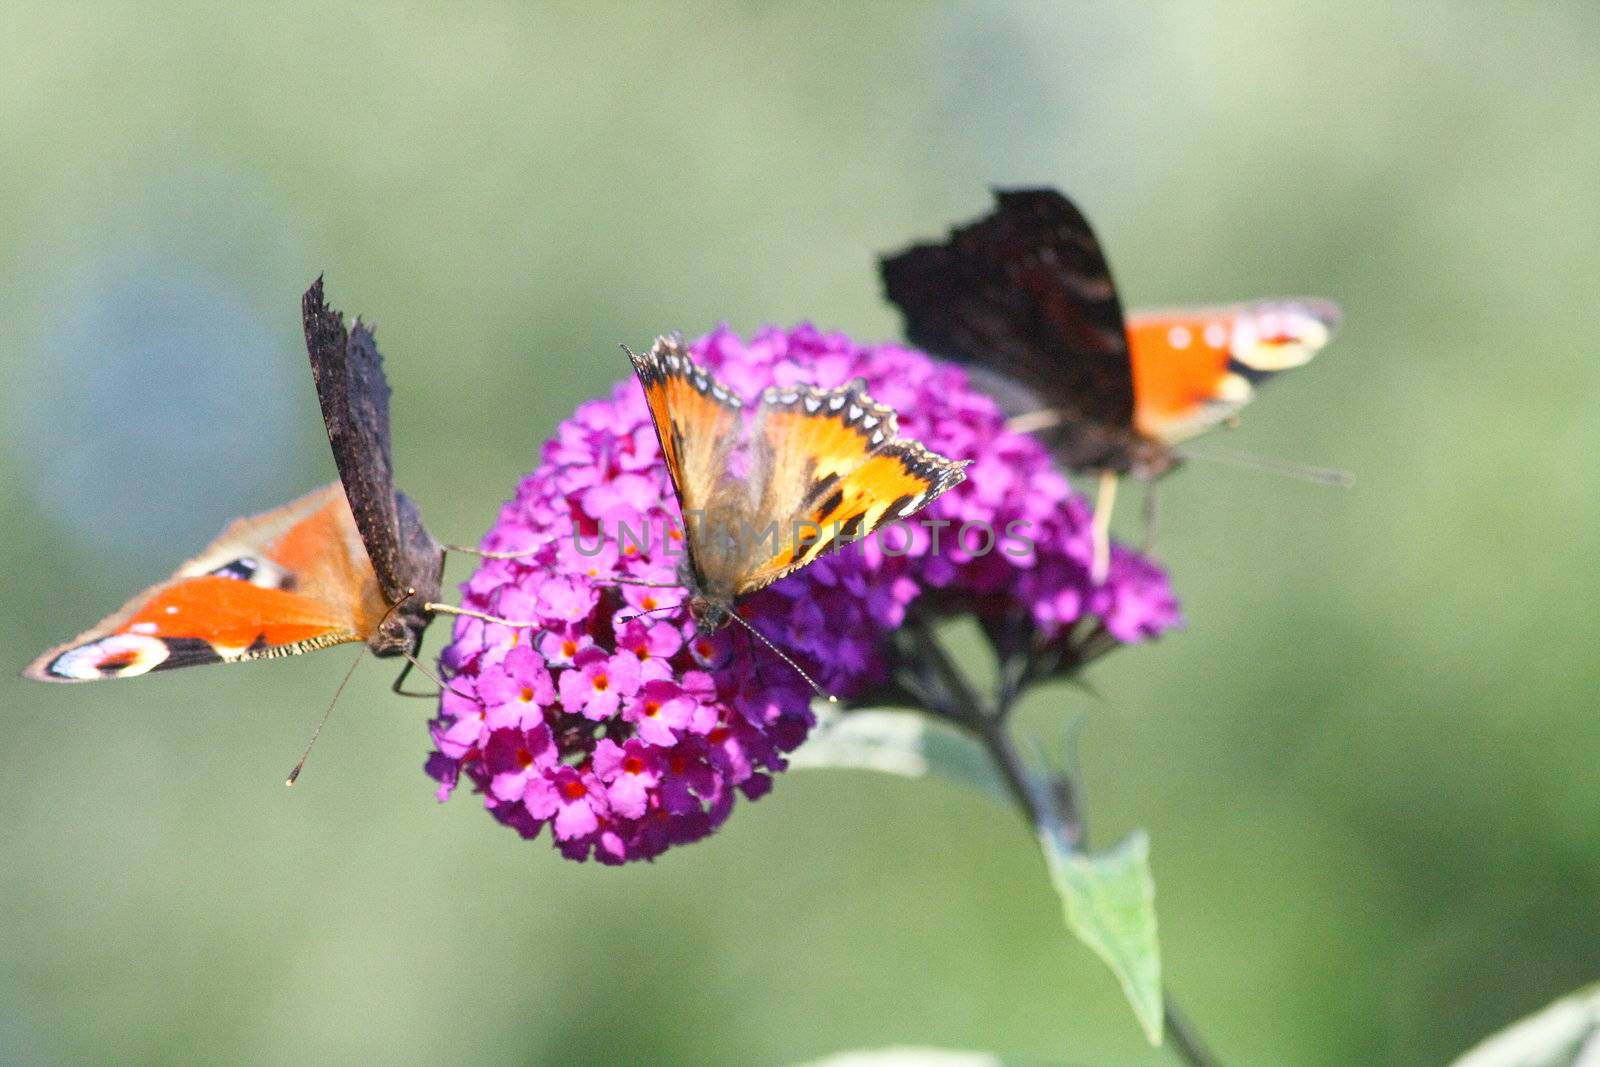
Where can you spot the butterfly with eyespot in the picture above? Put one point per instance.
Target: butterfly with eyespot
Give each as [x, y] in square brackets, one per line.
[349, 562]
[1025, 298]
[826, 466]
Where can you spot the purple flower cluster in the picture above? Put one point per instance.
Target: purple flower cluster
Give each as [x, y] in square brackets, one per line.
[630, 734]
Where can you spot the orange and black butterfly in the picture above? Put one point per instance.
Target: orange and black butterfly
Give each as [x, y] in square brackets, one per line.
[826, 466]
[1025, 297]
[349, 562]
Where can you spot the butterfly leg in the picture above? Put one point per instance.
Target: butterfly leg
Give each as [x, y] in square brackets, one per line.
[1148, 514]
[1033, 421]
[755, 662]
[413, 661]
[1105, 501]
[451, 609]
[398, 688]
[484, 553]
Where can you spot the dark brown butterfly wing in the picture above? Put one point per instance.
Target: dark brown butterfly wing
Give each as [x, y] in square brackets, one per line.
[1026, 294]
[354, 395]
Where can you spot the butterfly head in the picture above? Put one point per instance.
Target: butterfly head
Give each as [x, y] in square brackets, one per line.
[710, 603]
[710, 614]
[398, 631]
[419, 562]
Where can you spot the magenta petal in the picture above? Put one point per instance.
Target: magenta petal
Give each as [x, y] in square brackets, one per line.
[706, 719]
[628, 796]
[509, 786]
[575, 819]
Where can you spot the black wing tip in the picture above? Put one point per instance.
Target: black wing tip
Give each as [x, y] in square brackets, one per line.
[1028, 194]
[324, 325]
[669, 357]
[314, 301]
[1041, 204]
[940, 473]
[1045, 201]
[327, 335]
[650, 364]
[925, 462]
[365, 336]
[902, 270]
[850, 403]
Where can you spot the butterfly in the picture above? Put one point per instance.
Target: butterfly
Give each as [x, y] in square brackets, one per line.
[1025, 298]
[350, 562]
[825, 467]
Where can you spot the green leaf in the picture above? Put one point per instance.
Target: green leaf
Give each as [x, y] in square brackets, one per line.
[906, 743]
[908, 1056]
[1109, 899]
[1565, 1034]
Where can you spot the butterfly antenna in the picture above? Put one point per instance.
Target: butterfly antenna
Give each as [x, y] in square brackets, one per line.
[1251, 461]
[652, 611]
[1032, 421]
[298, 767]
[781, 654]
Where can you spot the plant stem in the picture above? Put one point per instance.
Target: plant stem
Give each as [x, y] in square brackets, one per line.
[1185, 1042]
[990, 724]
[1182, 1038]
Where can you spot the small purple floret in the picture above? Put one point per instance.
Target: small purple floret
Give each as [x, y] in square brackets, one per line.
[629, 735]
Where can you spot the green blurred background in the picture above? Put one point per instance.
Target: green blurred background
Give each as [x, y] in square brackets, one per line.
[1369, 765]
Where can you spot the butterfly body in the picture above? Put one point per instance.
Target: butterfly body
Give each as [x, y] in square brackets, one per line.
[350, 562]
[814, 469]
[1025, 298]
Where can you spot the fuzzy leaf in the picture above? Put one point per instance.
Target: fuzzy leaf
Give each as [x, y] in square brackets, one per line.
[1564, 1034]
[1109, 899]
[908, 1056]
[906, 743]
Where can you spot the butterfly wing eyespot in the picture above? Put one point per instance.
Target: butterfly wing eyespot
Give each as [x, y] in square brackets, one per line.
[329, 568]
[118, 656]
[311, 587]
[1195, 369]
[1025, 298]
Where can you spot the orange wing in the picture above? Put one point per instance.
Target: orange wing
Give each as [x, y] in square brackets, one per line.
[696, 418]
[831, 468]
[1194, 369]
[287, 581]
